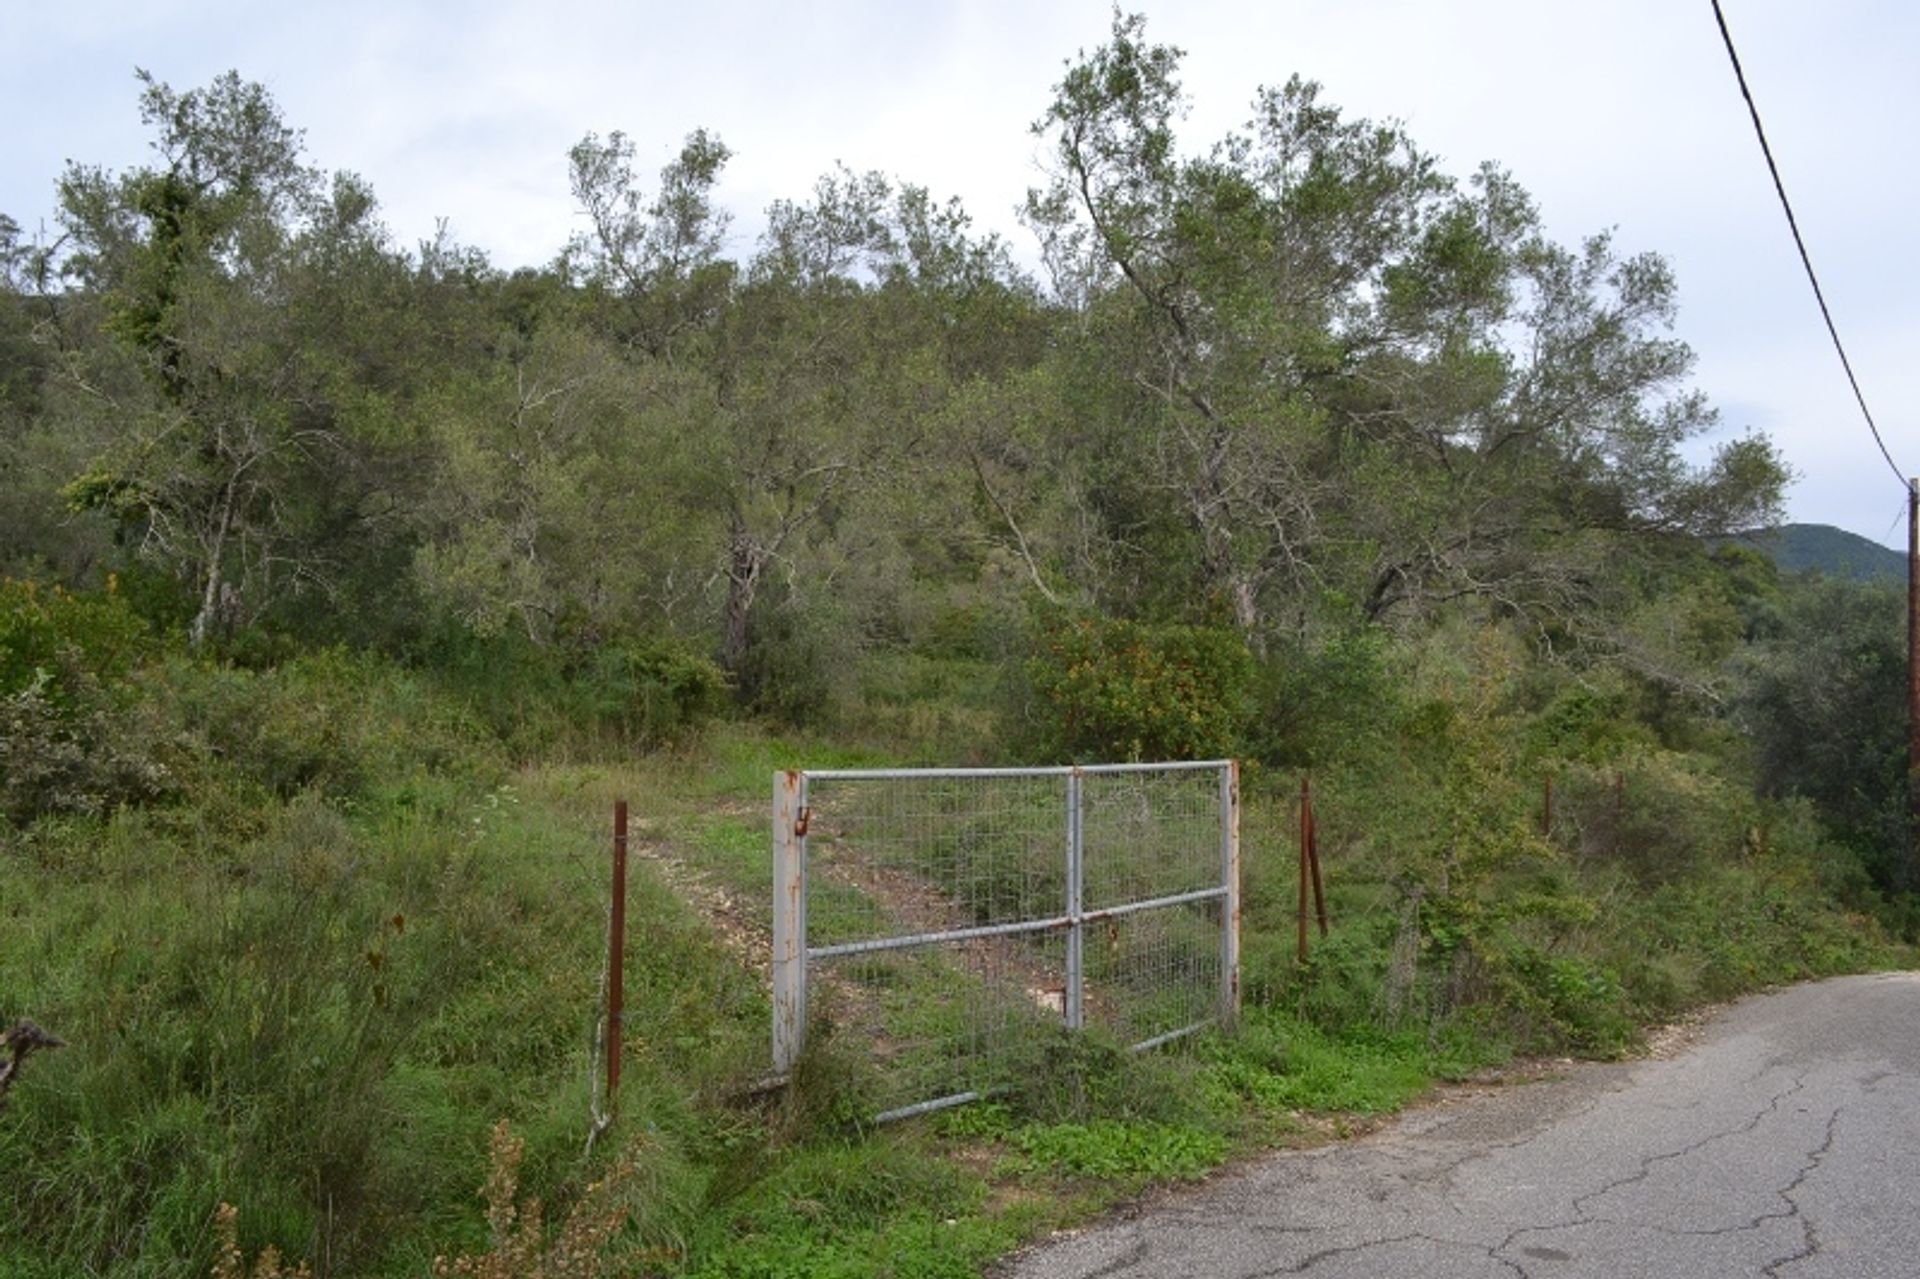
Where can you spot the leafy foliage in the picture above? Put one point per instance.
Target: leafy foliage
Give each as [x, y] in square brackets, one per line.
[72, 739]
[1112, 1148]
[48, 633]
[1823, 700]
[1111, 689]
[654, 691]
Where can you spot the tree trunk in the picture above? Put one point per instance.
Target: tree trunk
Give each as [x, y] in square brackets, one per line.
[1246, 608]
[210, 593]
[745, 563]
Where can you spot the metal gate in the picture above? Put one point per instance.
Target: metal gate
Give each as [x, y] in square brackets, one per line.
[955, 919]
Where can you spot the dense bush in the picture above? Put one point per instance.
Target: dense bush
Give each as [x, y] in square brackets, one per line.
[73, 751]
[73, 737]
[1824, 704]
[652, 690]
[333, 722]
[575, 696]
[1658, 815]
[1108, 689]
[1326, 701]
[57, 639]
[800, 664]
[1588, 724]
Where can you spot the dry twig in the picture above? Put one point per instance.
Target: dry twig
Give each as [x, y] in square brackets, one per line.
[20, 1040]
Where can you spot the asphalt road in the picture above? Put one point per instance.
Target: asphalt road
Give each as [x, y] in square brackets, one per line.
[1783, 1140]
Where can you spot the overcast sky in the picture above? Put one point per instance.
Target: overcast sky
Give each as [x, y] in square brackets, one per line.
[1621, 114]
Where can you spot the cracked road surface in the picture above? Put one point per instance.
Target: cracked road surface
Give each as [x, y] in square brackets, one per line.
[1784, 1142]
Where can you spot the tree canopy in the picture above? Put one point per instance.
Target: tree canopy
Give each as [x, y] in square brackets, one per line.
[1291, 381]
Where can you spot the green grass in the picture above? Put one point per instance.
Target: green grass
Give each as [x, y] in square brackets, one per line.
[317, 1014]
[1119, 1150]
[1278, 1062]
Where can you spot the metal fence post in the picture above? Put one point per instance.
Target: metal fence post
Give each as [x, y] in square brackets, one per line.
[1230, 880]
[616, 954]
[789, 919]
[1306, 851]
[1074, 1003]
[1313, 868]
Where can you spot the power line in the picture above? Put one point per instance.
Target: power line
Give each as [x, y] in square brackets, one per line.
[1898, 516]
[1801, 244]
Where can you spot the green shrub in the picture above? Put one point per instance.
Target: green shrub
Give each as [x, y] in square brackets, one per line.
[800, 662]
[1656, 816]
[935, 711]
[1320, 703]
[1823, 704]
[53, 638]
[1278, 1061]
[653, 690]
[73, 738]
[73, 751]
[962, 631]
[1061, 1076]
[332, 722]
[1114, 1148]
[1587, 724]
[1563, 1001]
[578, 696]
[1104, 689]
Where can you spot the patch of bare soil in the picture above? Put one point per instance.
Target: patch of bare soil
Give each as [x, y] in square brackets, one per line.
[740, 925]
[1676, 1037]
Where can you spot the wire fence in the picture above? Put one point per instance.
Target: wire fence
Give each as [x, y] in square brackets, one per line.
[953, 921]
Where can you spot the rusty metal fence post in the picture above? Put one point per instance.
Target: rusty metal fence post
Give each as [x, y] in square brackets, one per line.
[616, 953]
[1306, 842]
[1310, 878]
[1313, 868]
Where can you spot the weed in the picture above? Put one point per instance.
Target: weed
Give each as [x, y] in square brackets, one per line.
[230, 1262]
[1280, 1062]
[518, 1245]
[1119, 1150]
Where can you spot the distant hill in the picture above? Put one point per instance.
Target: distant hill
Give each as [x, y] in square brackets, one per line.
[1824, 549]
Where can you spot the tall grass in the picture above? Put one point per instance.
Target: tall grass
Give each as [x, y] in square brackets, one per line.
[313, 993]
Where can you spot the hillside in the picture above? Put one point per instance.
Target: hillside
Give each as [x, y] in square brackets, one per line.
[1821, 548]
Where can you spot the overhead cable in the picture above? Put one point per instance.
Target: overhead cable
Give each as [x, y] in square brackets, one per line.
[1801, 244]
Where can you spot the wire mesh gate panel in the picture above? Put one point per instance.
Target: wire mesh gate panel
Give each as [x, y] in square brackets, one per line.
[953, 920]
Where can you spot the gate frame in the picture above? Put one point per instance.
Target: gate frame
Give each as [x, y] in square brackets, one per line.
[792, 954]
